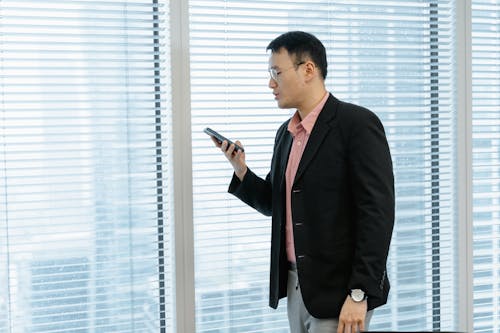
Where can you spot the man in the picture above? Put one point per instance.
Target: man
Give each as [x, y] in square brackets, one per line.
[330, 192]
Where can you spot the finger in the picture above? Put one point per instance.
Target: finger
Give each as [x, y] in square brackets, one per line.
[230, 150]
[340, 327]
[223, 146]
[237, 154]
[362, 325]
[238, 143]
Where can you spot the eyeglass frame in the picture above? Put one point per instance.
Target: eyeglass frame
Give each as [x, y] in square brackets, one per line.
[273, 72]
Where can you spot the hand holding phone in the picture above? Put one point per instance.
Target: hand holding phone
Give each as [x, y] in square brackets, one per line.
[220, 138]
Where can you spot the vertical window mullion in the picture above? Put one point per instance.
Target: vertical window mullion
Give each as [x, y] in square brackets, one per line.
[159, 166]
[435, 144]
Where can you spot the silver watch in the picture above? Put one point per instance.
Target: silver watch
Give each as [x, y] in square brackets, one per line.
[358, 295]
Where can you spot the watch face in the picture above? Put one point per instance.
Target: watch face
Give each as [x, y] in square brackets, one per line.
[357, 295]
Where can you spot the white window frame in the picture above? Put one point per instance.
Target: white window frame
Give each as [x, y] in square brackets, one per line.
[463, 12]
[182, 164]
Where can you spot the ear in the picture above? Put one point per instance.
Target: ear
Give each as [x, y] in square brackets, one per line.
[310, 70]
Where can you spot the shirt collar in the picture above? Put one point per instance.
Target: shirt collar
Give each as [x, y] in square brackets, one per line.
[308, 122]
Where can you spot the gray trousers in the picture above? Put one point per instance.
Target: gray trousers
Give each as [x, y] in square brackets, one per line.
[299, 318]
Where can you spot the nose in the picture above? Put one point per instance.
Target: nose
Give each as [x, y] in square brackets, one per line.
[272, 83]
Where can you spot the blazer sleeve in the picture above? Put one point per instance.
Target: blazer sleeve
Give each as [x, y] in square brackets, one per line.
[254, 191]
[372, 182]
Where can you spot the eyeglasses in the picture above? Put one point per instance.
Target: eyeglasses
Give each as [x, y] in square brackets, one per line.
[275, 73]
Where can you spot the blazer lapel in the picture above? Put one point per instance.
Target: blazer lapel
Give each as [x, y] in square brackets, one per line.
[285, 146]
[318, 134]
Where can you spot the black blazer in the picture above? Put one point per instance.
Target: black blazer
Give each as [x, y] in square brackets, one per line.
[342, 208]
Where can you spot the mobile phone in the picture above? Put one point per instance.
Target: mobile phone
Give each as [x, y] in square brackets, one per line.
[222, 138]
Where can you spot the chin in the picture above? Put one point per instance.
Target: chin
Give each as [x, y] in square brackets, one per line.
[283, 105]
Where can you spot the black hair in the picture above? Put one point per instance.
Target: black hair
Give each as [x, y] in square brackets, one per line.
[301, 45]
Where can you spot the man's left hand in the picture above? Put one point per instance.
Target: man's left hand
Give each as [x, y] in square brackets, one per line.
[352, 316]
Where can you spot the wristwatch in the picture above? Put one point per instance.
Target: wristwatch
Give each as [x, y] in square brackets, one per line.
[358, 295]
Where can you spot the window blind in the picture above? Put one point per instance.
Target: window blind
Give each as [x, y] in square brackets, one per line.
[394, 57]
[486, 163]
[85, 242]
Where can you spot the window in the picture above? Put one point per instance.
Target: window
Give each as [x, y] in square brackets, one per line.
[486, 164]
[85, 195]
[86, 150]
[394, 57]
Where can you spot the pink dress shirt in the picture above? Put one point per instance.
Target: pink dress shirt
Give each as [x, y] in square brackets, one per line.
[300, 131]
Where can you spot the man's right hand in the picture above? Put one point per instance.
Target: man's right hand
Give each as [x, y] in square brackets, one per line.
[236, 158]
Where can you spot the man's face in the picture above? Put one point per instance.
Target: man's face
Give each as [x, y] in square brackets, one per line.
[288, 79]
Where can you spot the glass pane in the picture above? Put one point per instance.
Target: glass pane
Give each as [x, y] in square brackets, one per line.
[486, 163]
[395, 58]
[84, 173]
